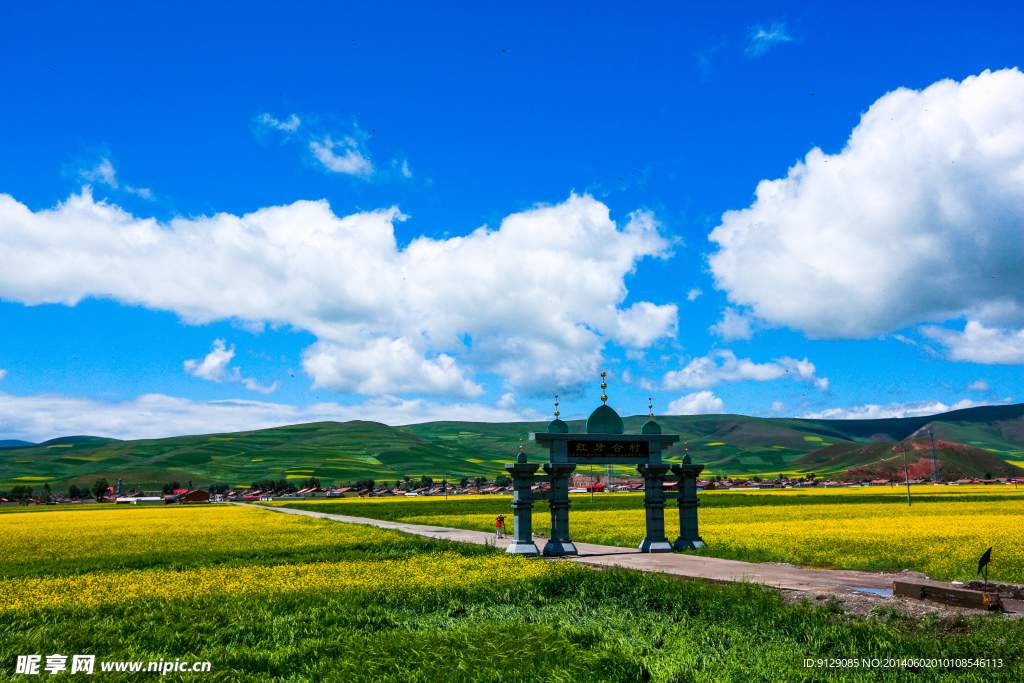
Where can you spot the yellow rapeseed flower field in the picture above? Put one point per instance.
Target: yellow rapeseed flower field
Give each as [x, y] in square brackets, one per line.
[48, 536]
[417, 573]
[103, 530]
[941, 538]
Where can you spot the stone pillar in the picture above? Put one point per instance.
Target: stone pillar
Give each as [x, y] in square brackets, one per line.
[654, 505]
[559, 544]
[522, 508]
[689, 536]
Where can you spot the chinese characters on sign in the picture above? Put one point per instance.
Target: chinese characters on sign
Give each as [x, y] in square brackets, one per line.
[608, 449]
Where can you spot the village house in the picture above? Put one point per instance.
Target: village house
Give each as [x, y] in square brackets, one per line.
[195, 496]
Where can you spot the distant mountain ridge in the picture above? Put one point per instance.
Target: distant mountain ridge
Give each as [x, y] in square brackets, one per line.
[15, 443]
[902, 427]
[344, 452]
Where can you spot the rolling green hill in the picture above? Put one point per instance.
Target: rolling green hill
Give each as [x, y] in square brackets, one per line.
[344, 452]
[329, 450]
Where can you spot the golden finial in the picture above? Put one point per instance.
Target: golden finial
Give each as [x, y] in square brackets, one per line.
[686, 447]
[520, 443]
[604, 396]
[650, 408]
[556, 405]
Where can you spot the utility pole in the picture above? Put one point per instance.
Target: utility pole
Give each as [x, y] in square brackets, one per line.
[906, 471]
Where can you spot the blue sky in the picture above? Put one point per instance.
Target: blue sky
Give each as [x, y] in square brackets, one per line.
[232, 217]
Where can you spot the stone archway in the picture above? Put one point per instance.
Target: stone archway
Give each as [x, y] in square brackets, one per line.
[604, 443]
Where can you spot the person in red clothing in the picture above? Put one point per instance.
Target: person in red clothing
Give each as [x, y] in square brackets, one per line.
[499, 525]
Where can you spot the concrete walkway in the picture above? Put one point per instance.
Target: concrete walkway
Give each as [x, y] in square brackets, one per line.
[786, 577]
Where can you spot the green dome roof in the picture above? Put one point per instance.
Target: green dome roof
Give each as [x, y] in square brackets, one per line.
[556, 426]
[604, 420]
[651, 427]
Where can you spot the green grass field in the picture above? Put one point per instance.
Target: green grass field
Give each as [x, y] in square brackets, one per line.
[313, 600]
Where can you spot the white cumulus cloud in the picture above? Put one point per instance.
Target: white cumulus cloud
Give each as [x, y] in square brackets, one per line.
[214, 367]
[643, 323]
[694, 293]
[385, 366]
[104, 173]
[733, 325]
[697, 403]
[342, 156]
[534, 300]
[3, 373]
[215, 364]
[723, 366]
[332, 151]
[507, 401]
[253, 385]
[289, 125]
[979, 385]
[761, 39]
[980, 344]
[919, 218]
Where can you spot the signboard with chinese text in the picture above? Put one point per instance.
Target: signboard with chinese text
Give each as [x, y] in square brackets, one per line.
[589, 450]
[604, 449]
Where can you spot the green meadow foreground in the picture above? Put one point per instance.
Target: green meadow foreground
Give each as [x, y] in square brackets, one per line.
[943, 532]
[270, 597]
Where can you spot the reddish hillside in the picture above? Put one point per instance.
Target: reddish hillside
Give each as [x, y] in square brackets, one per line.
[841, 456]
[956, 460]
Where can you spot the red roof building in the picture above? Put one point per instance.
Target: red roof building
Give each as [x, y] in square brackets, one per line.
[196, 496]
